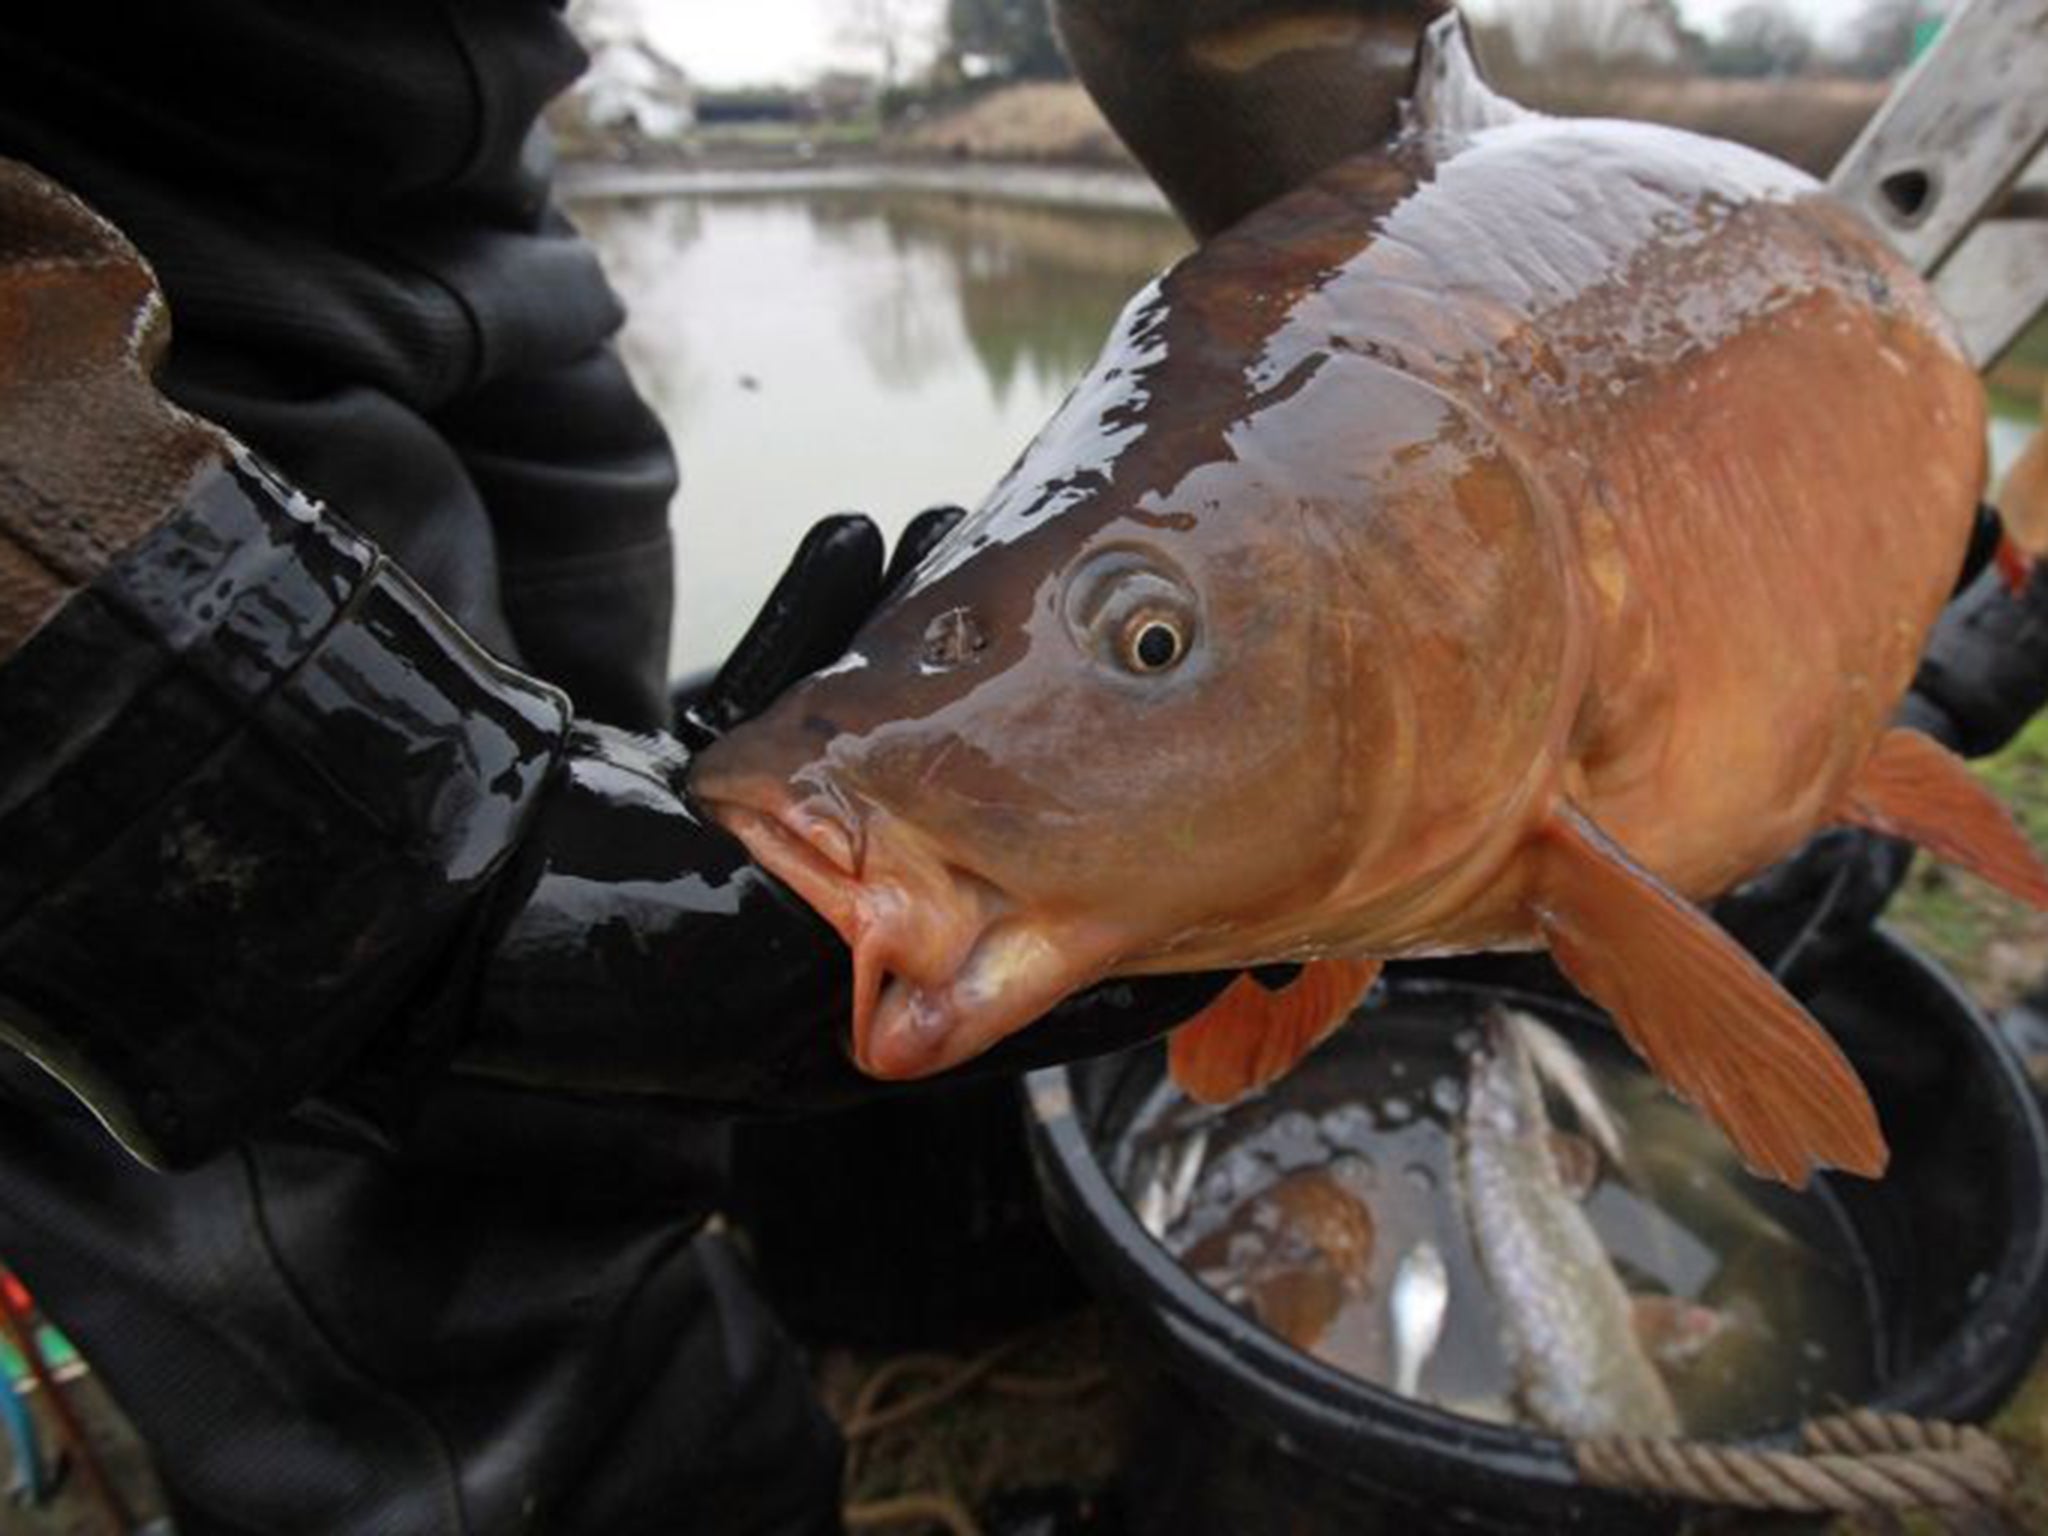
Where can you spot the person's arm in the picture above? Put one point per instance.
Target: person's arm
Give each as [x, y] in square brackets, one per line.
[270, 822]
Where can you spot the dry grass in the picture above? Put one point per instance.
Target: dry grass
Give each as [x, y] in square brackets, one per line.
[1809, 122]
[1047, 121]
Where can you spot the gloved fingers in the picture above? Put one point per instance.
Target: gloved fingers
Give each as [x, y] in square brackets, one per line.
[828, 589]
[919, 540]
[831, 585]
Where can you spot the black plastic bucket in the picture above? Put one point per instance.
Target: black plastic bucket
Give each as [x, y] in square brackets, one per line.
[1241, 1433]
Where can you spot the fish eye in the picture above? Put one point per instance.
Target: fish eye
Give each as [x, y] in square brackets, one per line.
[1152, 644]
[1131, 614]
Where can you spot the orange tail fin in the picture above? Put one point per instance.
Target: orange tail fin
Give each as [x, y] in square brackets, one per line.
[1914, 787]
[1250, 1036]
[1707, 1018]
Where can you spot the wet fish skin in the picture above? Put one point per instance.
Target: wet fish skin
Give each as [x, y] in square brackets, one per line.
[1188, 1162]
[1567, 1324]
[1417, 1303]
[1163, 1199]
[1564, 1069]
[1310, 1238]
[1513, 578]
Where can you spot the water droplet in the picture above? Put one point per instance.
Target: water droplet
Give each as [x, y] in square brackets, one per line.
[1296, 1141]
[1397, 1111]
[1448, 1095]
[1349, 1126]
[1420, 1176]
[1356, 1173]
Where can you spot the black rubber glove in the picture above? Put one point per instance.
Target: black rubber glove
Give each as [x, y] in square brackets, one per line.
[833, 583]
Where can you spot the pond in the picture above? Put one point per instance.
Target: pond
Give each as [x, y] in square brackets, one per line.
[865, 349]
[817, 348]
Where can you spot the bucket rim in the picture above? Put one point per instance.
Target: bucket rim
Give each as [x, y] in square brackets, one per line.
[1298, 1401]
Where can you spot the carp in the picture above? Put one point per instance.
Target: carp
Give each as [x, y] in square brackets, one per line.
[1504, 541]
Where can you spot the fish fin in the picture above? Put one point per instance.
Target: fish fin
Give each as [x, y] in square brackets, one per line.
[1672, 1330]
[1249, 1036]
[1577, 1162]
[1914, 787]
[1451, 95]
[1707, 1018]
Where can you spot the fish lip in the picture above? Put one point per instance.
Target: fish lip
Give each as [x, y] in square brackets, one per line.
[820, 867]
[924, 928]
[916, 1030]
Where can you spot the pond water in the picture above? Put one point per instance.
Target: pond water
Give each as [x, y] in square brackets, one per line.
[873, 350]
[1303, 1206]
[861, 347]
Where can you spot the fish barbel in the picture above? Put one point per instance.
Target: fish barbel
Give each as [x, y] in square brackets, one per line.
[1567, 1324]
[1502, 542]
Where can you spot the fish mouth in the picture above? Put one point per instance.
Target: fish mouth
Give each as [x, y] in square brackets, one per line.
[946, 963]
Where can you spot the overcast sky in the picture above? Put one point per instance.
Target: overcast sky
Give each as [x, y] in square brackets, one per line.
[740, 42]
[721, 42]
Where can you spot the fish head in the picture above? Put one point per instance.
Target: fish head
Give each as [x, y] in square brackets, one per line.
[1047, 761]
[1149, 703]
[1503, 1099]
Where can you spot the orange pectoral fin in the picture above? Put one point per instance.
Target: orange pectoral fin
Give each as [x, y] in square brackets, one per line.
[1914, 787]
[1250, 1036]
[1707, 1018]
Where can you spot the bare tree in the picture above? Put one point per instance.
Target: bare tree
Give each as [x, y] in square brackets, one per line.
[884, 26]
[1881, 40]
[1556, 32]
[1762, 37]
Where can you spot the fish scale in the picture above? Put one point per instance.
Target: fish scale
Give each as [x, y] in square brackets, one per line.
[1566, 1321]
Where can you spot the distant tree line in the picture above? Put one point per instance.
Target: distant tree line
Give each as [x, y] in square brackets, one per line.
[1760, 38]
[1013, 39]
[1003, 39]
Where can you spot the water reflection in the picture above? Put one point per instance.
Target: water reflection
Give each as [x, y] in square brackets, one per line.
[879, 350]
[873, 350]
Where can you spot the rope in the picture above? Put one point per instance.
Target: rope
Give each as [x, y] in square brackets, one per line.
[871, 1415]
[868, 1419]
[1861, 1462]
[927, 1508]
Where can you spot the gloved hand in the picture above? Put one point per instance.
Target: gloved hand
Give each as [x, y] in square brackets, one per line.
[833, 582]
[639, 950]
